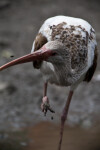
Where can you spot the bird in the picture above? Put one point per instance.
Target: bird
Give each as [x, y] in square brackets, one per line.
[65, 51]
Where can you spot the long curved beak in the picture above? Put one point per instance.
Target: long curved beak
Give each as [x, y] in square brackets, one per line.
[38, 55]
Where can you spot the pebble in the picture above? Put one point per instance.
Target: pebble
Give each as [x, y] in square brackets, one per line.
[3, 86]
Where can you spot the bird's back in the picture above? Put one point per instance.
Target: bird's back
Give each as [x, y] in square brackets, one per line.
[64, 21]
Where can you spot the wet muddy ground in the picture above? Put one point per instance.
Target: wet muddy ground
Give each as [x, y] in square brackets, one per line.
[21, 87]
[44, 136]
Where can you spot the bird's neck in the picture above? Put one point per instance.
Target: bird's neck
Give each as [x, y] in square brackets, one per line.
[63, 74]
[66, 75]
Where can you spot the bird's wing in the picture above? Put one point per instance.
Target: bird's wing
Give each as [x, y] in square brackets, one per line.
[92, 55]
[39, 41]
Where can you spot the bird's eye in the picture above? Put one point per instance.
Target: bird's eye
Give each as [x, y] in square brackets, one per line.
[54, 53]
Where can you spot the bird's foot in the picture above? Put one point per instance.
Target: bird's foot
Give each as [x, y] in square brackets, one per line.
[45, 106]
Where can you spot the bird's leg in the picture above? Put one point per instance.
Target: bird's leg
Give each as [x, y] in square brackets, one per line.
[64, 117]
[45, 106]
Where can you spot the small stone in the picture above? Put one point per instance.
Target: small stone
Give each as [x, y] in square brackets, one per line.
[7, 53]
[3, 86]
[23, 143]
[87, 124]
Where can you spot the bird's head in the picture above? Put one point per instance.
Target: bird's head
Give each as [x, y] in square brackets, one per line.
[59, 53]
[53, 52]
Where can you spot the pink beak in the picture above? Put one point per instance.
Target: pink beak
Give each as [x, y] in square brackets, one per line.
[38, 55]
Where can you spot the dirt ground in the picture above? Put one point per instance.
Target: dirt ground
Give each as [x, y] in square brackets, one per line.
[21, 87]
[45, 136]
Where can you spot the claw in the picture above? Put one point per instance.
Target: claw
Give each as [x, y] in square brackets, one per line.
[45, 106]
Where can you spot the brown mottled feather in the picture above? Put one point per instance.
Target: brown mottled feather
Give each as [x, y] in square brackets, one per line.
[76, 44]
[39, 42]
[91, 70]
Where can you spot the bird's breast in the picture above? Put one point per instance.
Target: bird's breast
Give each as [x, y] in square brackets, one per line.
[48, 72]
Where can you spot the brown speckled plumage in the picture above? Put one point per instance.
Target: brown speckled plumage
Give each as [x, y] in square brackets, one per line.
[75, 42]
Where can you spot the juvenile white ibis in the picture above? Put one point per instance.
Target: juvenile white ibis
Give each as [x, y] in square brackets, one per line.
[65, 50]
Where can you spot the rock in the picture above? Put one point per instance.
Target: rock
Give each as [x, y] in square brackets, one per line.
[23, 143]
[3, 86]
[87, 124]
[7, 53]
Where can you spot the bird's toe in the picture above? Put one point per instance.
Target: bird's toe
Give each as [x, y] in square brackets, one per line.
[45, 106]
